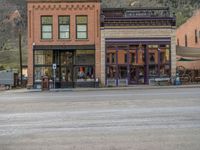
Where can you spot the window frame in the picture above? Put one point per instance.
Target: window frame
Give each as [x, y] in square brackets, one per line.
[86, 24]
[59, 32]
[41, 23]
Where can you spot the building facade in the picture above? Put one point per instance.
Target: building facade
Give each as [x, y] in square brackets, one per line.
[188, 43]
[65, 33]
[85, 43]
[137, 45]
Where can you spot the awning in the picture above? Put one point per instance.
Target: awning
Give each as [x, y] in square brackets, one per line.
[188, 51]
[187, 59]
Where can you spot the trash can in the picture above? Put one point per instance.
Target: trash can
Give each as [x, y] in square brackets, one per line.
[45, 83]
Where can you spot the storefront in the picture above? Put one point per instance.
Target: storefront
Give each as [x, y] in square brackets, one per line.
[74, 67]
[136, 63]
[138, 46]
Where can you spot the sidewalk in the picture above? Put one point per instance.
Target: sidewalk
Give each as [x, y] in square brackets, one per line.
[135, 87]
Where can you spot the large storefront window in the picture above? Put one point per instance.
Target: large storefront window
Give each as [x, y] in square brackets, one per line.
[153, 60]
[85, 57]
[84, 73]
[117, 66]
[84, 61]
[165, 61]
[136, 63]
[42, 71]
[43, 57]
[74, 68]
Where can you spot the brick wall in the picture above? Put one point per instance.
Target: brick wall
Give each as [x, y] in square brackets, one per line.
[188, 29]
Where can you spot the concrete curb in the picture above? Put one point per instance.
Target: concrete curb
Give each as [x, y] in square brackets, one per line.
[147, 87]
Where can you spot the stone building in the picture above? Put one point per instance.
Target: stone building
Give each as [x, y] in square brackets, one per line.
[85, 42]
[188, 43]
[137, 45]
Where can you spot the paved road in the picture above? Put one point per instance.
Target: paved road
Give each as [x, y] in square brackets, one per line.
[157, 119]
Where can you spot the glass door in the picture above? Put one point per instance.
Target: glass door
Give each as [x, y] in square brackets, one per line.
[66, 70]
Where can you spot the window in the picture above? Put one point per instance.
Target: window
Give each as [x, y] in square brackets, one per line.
[43, 57]
[196, 37]
[46, 27]
[178, 42]
[85, 57]
[64, 27]
[186, 43]
[81, 27]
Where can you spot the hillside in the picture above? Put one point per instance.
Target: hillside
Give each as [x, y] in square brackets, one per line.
[13, 17]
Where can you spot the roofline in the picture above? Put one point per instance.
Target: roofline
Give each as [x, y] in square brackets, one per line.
[135, 8]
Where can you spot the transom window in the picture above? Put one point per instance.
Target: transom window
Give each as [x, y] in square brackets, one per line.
[64, 27]
[81, 27]
[46, 27]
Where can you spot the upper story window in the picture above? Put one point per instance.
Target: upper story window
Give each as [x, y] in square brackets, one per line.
[46, 27]
[196, 37]
[186, 42]
[64, 27]
[81, 27]
[178, 42]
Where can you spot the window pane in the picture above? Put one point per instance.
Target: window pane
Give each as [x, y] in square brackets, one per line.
[64, 27]
[64, 20]
[46, 35]
[85, 57]
[111, 72]
[43, 57]
[81, 35]
[64, 35]
[84, 73]
[81, 19]
[46, 28]
[81, 28]
[47, 20]
[42, 71]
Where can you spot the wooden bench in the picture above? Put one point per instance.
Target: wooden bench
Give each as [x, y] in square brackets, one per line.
[162, 81]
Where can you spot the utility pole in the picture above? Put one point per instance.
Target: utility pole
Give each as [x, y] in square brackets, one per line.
[20, 54]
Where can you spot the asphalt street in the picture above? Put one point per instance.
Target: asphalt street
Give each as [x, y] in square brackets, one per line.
[150, 119]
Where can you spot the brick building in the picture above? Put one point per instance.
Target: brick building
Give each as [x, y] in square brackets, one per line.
[188, 43]
[65, 33]
[117, 46]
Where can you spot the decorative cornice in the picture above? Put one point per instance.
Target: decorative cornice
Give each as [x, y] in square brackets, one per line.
[64, 7]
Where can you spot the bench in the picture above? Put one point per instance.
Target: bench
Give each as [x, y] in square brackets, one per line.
[162, 81]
